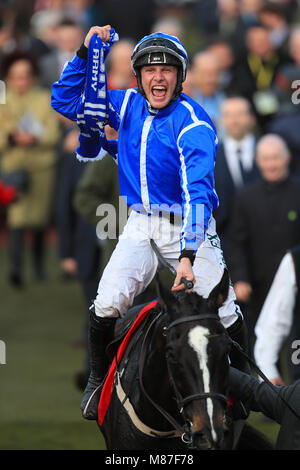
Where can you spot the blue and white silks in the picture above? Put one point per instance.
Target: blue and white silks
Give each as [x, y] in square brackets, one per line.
[166, 159]
[95, 111]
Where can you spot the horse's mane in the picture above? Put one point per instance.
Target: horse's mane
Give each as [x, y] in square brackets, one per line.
[191, 304]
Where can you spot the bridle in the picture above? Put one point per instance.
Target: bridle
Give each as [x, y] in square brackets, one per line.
[185, 429]
[182, 402]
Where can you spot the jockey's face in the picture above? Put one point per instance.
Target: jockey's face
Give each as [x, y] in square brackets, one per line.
[159, 83]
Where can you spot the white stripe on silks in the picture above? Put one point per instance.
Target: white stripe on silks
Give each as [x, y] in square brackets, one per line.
[143, 163]
[187, 205]
[198, 341]
[196, 121]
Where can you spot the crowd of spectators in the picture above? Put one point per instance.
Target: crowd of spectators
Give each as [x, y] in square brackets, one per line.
[244, 70]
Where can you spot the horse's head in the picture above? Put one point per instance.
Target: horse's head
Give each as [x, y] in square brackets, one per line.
[197, 348]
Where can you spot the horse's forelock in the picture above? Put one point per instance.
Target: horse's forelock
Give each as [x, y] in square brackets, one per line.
[187, 304]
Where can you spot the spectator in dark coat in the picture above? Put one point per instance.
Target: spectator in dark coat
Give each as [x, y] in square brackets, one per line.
[80, 252]
[273, 17]
[287, 121]
[244, 15]
[222, 49]
[235, 161]
[206, 84]
[254, 74]
[287, 126]
[79, 249]
[265, 223]
[140, 12]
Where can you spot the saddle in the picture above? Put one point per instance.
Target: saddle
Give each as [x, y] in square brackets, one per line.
[118, 347]
[122, 327]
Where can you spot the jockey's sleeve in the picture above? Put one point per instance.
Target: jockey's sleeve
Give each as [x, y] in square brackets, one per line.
[197, 147]
[67, 91]
[257, 395]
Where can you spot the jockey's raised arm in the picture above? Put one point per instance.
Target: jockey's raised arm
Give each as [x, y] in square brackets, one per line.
[68, 90]
[81, 94]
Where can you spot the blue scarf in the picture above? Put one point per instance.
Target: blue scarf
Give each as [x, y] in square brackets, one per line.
[95, 110]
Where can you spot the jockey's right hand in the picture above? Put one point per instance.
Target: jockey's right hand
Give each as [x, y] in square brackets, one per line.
[102, 31]
[184, 269]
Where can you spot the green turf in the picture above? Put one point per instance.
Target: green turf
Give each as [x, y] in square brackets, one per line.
[39, 403]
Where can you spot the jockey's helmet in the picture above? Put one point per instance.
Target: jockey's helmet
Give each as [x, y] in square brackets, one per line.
[157, 49]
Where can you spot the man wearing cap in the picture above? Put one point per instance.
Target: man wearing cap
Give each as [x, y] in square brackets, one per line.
[166, 155]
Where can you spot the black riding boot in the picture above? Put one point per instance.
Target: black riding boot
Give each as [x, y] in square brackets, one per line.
[100, 334]
[238, 333]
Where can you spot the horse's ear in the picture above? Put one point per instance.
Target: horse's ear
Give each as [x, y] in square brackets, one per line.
[219, 293]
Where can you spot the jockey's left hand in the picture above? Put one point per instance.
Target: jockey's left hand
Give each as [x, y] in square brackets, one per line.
[102, 31]
[184, 269]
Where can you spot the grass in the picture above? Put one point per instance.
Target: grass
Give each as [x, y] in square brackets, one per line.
[39, 402]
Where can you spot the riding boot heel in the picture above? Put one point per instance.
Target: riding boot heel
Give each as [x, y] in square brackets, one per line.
[101, 331]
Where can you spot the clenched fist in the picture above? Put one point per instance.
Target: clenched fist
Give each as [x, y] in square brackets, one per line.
[102, 31]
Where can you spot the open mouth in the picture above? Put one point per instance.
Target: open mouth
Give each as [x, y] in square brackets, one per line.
[159, 91]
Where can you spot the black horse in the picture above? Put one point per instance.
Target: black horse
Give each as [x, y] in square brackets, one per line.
[171, 388]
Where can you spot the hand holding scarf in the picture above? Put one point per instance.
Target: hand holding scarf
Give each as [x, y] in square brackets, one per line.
[96, 110]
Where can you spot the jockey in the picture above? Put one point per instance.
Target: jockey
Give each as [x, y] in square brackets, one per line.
[166, 155]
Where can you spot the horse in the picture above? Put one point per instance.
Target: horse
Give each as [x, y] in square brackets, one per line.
[171, 387]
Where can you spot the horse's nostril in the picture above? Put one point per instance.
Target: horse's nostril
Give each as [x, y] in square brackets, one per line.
[203, 440]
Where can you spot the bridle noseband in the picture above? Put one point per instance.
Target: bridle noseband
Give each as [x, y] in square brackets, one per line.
[182, 402]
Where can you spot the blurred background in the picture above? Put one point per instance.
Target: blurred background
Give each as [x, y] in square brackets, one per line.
[244, 66]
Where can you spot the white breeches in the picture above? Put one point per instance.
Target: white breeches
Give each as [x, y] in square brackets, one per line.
[133, 265]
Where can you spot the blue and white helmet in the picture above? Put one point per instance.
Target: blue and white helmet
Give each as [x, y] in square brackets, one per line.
[156, 49]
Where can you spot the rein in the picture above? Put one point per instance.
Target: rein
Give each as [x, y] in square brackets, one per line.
[184, 430]
[251, 362]
[142, 361]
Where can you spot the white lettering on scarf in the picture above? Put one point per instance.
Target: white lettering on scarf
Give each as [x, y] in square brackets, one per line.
[95, 69]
